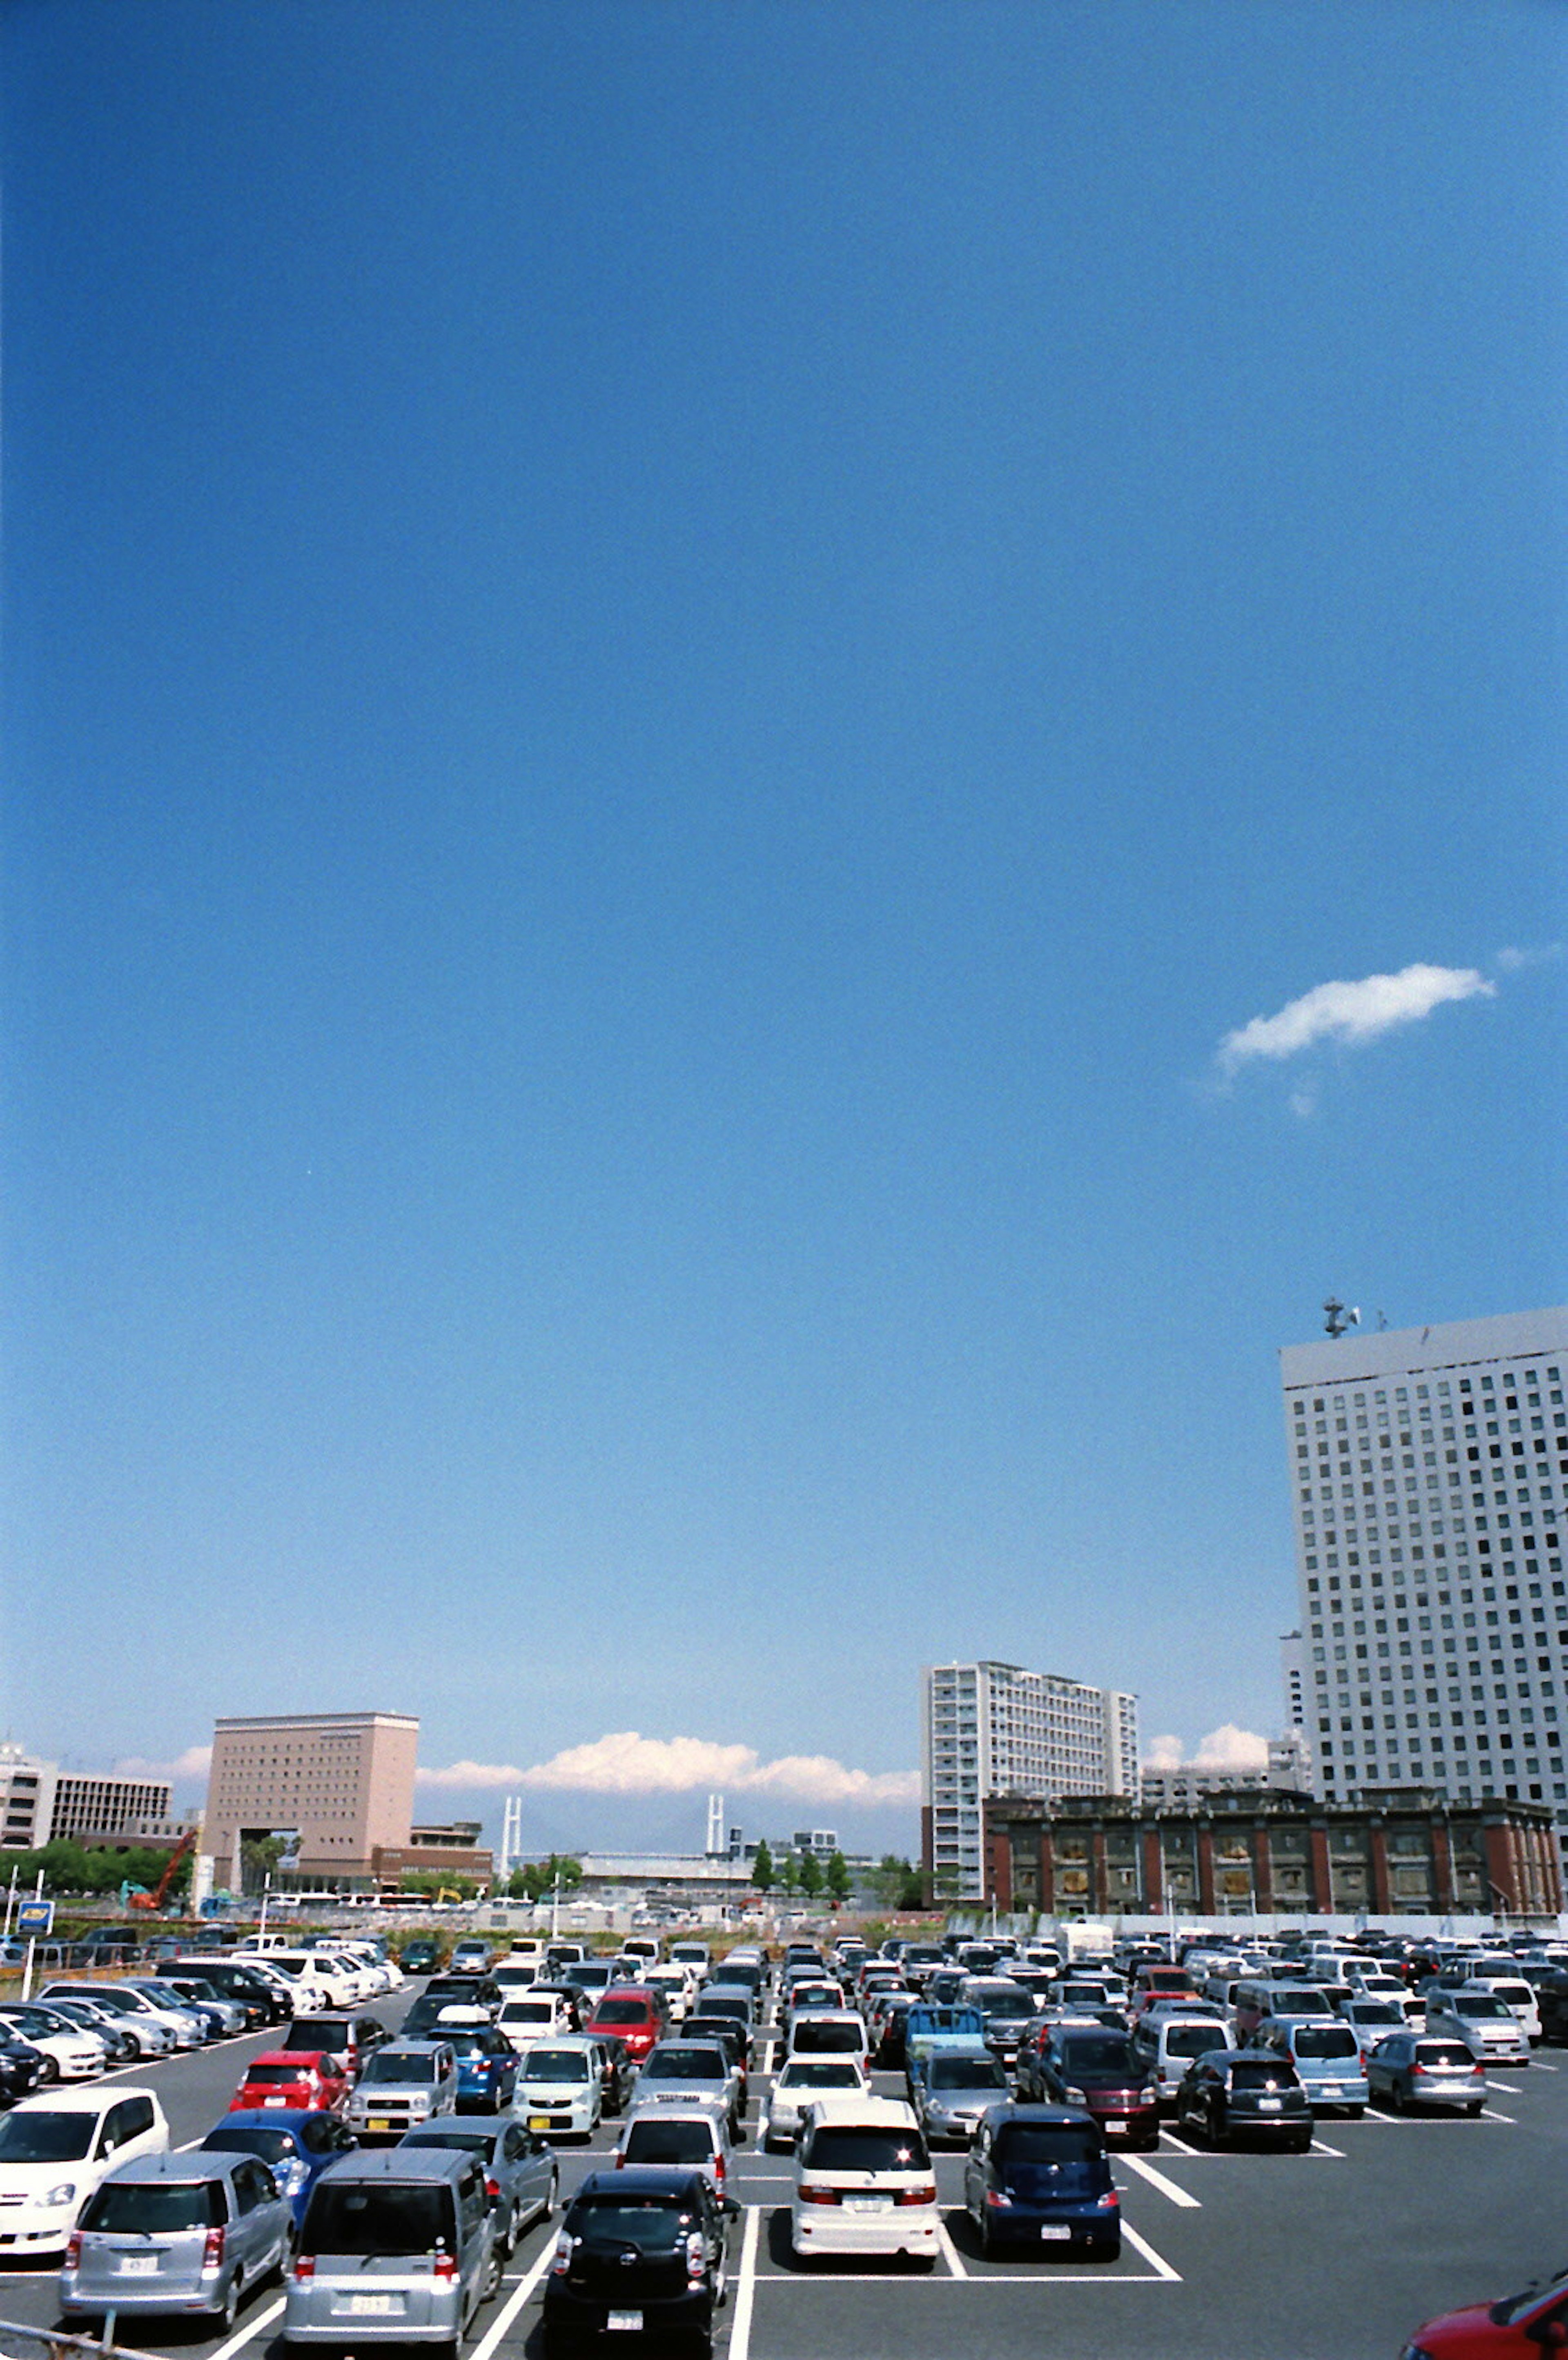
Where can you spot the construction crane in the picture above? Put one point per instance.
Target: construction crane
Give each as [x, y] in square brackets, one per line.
[151, 1903]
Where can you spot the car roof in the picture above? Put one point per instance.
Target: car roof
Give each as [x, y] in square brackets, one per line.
[398, 2163]
[674, 2179]
[853, 2106]
[92, 2101]
[193, 2164]
[270, 2118]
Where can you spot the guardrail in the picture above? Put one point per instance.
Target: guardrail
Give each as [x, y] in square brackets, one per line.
[47, 2344]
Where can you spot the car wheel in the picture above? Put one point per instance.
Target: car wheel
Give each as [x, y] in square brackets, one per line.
[1473, 2110]
[1354, 2114]
[987, 2239]
[1110, 2249]
[492, 2285]
[1397, 2097]
[1302, 2144]
[49, 2071]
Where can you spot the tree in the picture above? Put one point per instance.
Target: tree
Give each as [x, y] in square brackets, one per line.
[810, 1874]
[789, 1872]
[838, 1876]
[763, 1874]
[259, 1859]
[540, 1876]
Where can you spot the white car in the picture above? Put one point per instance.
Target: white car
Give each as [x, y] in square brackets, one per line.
[55, 2149]
[559, 2088]
[802, 2081]
[527, 2019]
[157, 2031]
[1516, 1994]
[863, 2181]
[70, 2053]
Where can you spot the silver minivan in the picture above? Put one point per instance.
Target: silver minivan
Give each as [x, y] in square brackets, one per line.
[177, 2232]
[405, 2083]
[397, 2247]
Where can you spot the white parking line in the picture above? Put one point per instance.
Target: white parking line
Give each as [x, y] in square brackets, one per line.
[1179, 2144]
[1156, 2261]
[1537, 2065]
[950, 2252]
[1158, 2180]
[1319, 2148]
[1492, 2115]
[249, 2334]
[509, 2311]
[1509, 2089]
[746, 2285]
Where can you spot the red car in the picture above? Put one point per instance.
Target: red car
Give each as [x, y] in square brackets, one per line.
[1520, 2327]
[633, 2013]
[306, 2081]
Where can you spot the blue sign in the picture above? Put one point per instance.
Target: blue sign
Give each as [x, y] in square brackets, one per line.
[35, 1918]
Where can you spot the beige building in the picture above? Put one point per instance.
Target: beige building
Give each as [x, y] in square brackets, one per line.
[342, 1783]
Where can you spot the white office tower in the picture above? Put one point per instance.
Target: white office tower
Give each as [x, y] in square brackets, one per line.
[1429, 1477]
[994, 1729]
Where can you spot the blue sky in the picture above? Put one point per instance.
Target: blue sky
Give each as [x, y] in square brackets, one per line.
[671, 673]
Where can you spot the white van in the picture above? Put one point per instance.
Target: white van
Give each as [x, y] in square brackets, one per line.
[1515, 1995]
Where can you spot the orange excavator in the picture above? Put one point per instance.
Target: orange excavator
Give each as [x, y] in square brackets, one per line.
[151, 1903]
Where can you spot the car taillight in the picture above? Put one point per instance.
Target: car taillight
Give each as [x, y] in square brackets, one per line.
[697, 2257]
[811, 2195]
[493, 2188]
[304, 2267]
[445, 2267]
[563, 2260]
[719, 2173]
[1108, 2202]
[212, 2250]
[74, 2250]
[925, 2194]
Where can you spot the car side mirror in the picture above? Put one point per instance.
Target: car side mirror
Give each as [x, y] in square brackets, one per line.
[732, 2211]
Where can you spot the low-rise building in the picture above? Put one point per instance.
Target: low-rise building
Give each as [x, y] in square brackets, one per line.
[1262, 1850]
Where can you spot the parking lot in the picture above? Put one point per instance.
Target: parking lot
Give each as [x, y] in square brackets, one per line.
[1322, 2256]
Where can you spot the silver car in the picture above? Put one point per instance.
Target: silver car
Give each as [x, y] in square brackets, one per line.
[953, 2094]
[521, 2175]
[177, 2232]
[1485, 2022]
[679, 2072]
[405, 2083]
[397, 2247]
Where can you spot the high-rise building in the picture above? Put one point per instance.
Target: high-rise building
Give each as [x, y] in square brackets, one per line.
[1430, 1487]
[41, 1803]
[994, 1729]
[340, 1783]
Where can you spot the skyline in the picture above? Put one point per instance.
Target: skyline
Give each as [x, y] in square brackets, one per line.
[768, 775]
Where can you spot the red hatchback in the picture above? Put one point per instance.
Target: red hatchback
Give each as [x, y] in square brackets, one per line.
[304, 2080]
[633, 2013]
[1521, 2327]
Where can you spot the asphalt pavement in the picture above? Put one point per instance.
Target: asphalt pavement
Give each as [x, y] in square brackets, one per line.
[1330, 2256]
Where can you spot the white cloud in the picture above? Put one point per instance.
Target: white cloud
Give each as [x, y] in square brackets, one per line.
[195, 1762]
[1512, 959]
[623, 1762]
[1303, 1102]
[1164, 1754]
[1352, 1012]
[1230, 1748]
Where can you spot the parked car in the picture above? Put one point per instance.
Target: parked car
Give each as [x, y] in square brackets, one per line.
[397, 2247]
[56, 2149]
[352, 2038]
[148, 2026]
[1420, 2068]
[471, 1957]
[1039, 2176]
[522, 2178]
[302, 2081]
[1520, 2327]
[21, 2069]
[296, 2148]
[486, 2064]
[798, 2083]
[68, 2053]
[617, 2072]
[225, 2019]
[954, 2091]
[679, 2071]
[420, 1957]
[404, 2083]
[559, 2088]
[632, 2014]
[1486, 2024]
[528, 2018]
[640, 2251]
[177, 2232]
[692, 2137]
[1233, 2094]
[1328, 2058]
[863, 2181]
[1100, 2072]
[235, 1979]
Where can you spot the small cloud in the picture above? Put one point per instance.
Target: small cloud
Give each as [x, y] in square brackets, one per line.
[195, 1762]
[1303, 1101]
[1164, 1754]
[624, 1763]
[1352, 1013]
[1512, 959]
[1230, 1748]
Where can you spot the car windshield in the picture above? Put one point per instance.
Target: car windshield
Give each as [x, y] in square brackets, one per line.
[686, 2065]
[967, 2073]
[652, 2223]
[272, 2147]
[1108, 2056]
[1047, 2143]
[347, 2217]
[556, 2065]
[817, 2073]
[45, 2138]
[529, 2010]
[398, 2065]
[855, 2146]
[1478, 2003]
[622, 2011]
[1322, 2041]
[1376, 2011]
[1298, 2001]
[129, 2207]
[277, 2076]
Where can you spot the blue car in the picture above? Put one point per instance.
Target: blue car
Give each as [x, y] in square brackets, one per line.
[486, 2066]
[1037, 2177]
[296, 2145]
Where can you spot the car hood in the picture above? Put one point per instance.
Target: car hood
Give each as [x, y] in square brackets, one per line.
[25, 2178]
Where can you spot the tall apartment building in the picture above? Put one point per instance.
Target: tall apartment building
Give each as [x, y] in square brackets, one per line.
[342, 1782]
[994, 1729]
[1430, 1487]
[41, 1803]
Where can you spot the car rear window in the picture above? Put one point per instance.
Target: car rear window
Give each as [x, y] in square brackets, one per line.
[131, 2208]
[1047, 2143]
[854, 2147]
[1192, 2039]
[347, 2217]
[1262, 2077]
[967, 2073]
[668, 2142]
[828, 2039]
[1108, 2056]
[272, 2147]
[814, 2073]
[557, 2065]
[1322, 2041]
[622, 2011]
[1433, 2054]
[652, 2223]
[697, 2064]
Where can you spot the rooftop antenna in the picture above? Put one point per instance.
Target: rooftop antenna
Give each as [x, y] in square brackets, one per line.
[1336, 1319]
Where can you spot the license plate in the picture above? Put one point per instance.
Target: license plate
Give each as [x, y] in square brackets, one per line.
[138, 2265]
[1115, 2122]
[274, 2101]
[624, 2322]
[1332, 2090]
[379, 2122]
[373, 2306]
[539, 2122]
[1056, 2230]
[1269, 2106]
[868, 2203]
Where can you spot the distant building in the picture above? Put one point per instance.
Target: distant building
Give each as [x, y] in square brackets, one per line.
[1189, 1782]
[340, 1785]
[994, 1729]
[41, 1803]
[1400, 1849]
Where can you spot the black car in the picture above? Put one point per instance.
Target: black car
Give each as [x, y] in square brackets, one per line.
[891, 2028]
[264, 2003]
[641, 2250]
[463, 1991]
[1231, 2093]
[21, 2069]
[355, 2038]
